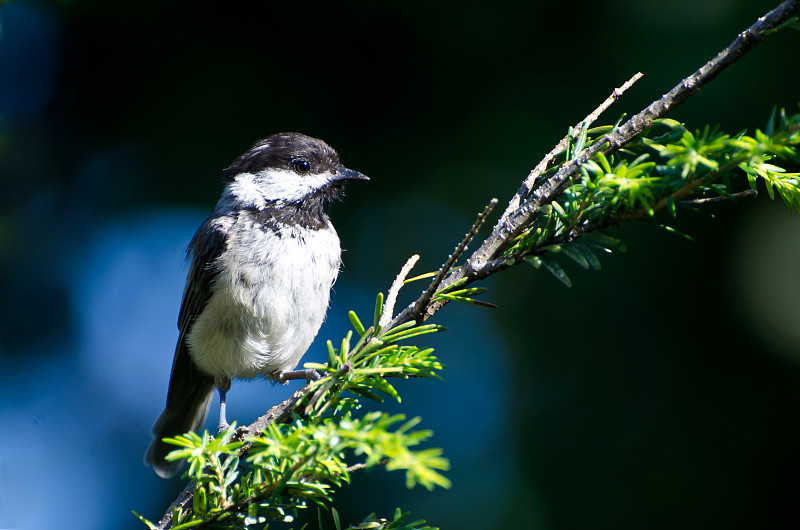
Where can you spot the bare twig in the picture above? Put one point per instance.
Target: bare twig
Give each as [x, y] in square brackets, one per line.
[182, 503]
[391, 298]
[359, 466]
[444, 270]
[527, 185]
[280, 413]
[707, 200]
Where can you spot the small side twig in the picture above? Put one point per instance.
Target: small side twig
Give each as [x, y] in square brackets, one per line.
[527, 184]
[397, 284]
[707, 200]
[181, 504]
[425, 298]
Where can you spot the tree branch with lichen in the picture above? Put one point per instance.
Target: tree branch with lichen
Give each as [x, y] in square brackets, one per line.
[526, 204]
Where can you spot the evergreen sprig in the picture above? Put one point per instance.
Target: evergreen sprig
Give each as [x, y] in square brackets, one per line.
[288, 466]
[667, 167]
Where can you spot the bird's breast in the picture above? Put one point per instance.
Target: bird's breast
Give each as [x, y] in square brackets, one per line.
[269, 298]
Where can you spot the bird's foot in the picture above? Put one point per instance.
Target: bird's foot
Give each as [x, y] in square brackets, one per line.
[310, 375]
[222, 427]
[223, 385]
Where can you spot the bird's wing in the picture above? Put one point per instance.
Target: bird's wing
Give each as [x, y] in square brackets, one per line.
[190, 390]
[206, 246]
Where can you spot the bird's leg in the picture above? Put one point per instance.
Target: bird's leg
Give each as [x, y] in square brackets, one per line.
[309, 375]
[223, 385]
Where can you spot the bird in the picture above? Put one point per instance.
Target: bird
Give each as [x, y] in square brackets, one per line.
[261, 270]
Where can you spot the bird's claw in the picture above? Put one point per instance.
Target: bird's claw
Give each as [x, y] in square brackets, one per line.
[310, 375]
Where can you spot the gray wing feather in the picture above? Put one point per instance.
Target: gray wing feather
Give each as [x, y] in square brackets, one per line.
[190, 391]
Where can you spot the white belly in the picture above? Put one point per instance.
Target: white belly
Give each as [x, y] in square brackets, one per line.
[267, 304]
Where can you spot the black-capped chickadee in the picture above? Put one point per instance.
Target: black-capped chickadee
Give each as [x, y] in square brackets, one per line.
[262, 267]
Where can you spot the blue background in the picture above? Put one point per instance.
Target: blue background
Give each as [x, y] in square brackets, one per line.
[660, 392]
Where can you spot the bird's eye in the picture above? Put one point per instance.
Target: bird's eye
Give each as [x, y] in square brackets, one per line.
[301, 166]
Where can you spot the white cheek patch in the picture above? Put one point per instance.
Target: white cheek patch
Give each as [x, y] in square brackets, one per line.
[280, 185]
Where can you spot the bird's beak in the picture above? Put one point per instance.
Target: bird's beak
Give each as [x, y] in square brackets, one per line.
[344, 174]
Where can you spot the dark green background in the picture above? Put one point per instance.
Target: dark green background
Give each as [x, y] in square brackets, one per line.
[659, 392]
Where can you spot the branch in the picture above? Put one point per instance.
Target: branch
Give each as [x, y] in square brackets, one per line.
[527, 185]
[511, 225]
[424, 300]
[181, 504]
[707, 200]
[280, 413]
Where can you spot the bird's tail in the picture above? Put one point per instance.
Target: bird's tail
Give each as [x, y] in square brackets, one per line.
[189, 396]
